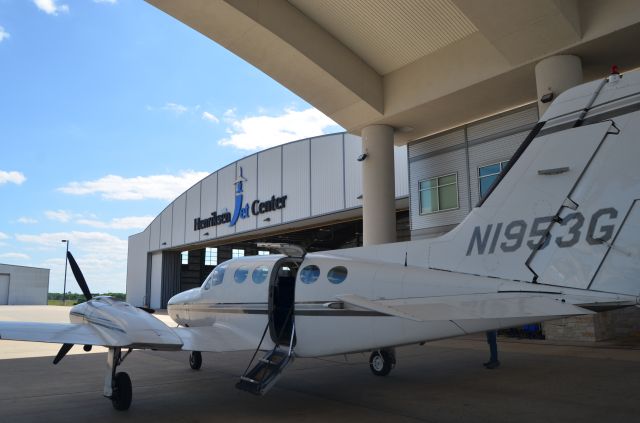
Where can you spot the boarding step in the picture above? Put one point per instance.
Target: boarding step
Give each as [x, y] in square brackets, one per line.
[266, 372]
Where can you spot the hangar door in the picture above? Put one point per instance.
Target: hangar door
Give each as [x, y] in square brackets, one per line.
[4, 289]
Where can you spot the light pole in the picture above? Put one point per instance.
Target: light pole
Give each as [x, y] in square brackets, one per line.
[66, 260]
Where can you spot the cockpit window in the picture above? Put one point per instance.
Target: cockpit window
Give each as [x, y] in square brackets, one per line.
[207, 282]
[337, 274]
[309, 274]
[260, 274]
[240, 274]
[217, 276]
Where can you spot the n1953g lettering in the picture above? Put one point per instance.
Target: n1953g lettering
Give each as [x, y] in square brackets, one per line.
[511, 236]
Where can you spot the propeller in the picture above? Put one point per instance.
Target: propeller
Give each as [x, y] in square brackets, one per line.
[82, 282]
[77, 273]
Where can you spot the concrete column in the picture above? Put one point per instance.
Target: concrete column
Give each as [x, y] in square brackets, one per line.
[378, 186]
[556, 74]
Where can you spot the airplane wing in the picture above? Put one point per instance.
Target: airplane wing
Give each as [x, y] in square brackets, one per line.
[467, 307]
[216, 338]
[59, 333]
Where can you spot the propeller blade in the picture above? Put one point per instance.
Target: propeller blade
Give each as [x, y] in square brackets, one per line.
[147, 309]
[64, 349]
[77, 273]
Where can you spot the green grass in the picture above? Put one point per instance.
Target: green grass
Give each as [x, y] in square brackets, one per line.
[59, 302]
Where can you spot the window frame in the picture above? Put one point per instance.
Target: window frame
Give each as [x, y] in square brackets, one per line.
[183, 255]
[237, 253]
[502, 164]
[437, 188]
[208, 257]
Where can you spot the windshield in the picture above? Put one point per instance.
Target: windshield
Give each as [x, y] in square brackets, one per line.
[215, 278]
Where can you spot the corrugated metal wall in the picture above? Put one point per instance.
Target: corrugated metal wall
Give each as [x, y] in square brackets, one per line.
[462, 151]
[318, 175]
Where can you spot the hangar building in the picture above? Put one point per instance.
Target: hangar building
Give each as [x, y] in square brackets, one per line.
[457, 83]
[21, 285]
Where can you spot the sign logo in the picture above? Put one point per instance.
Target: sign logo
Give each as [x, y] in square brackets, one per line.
[241, 210]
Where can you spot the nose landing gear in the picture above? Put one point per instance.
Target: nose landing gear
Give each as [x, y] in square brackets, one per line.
[117, 386]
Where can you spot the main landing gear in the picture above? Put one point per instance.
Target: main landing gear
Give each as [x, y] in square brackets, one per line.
[381, 362]
[195, 360]
[117, 386]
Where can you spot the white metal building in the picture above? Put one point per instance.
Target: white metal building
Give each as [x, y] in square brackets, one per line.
[312, 184]
[20, 285]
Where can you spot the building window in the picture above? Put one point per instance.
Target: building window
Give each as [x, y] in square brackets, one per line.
[184, 257]
[439, 194]
[263, 253]
[210, 256]
[488, 174]
[235, 253]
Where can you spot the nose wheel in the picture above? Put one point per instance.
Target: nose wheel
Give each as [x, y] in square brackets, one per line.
[195, 360]
[381, 362]
[117, 385]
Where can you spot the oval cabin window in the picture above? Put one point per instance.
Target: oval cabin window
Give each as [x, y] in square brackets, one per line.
[240, 274]
[337, 275]
[309, 274]
[259, 274]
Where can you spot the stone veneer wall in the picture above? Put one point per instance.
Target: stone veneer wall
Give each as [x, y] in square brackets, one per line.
[605, 325]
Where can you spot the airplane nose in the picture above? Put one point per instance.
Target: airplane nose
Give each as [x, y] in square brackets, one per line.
[185, 297]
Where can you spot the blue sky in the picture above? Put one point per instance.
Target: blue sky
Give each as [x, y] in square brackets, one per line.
[109, 109]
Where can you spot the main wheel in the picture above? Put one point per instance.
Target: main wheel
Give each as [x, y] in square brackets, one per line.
[381, 362]
[195, 360]
[121, 396]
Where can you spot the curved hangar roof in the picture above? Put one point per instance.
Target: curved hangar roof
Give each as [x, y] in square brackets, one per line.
[421, 66]
[302, 183]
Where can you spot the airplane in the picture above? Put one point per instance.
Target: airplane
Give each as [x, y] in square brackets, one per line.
[557, 235]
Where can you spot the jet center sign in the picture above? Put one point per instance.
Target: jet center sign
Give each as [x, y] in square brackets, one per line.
[241, 209]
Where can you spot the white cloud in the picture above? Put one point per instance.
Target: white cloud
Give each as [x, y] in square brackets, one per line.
[51, 7]
[210, 117]
[25, 220]
[114, 187]
[130, 222]
[176, 108]
[14, 256]
[3, 34]
[58, 215]
[13, 177]
[260, 132]
[3, 235]
[102, 258]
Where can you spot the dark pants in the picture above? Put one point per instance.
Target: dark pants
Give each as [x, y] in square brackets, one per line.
[492, 340]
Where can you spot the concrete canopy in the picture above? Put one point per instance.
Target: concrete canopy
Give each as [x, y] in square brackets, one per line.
[421, 66]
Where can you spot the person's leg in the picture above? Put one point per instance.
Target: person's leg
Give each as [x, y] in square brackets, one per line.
[492, 340]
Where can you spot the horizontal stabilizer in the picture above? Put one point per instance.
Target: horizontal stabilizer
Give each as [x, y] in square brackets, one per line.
[465, 307]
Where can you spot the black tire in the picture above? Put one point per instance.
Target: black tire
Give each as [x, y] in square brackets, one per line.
[381, 362]
[122, 393]
[195, 360]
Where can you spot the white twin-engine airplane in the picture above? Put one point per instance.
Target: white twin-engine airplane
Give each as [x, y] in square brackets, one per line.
[559, 235]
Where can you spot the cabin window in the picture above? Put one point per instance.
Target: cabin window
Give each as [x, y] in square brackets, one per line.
[309, 274]
[240, 274]
[210, 256]
[217, 276]
[438, 194]
[488, 174]
[260, 274]
[337, 275]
